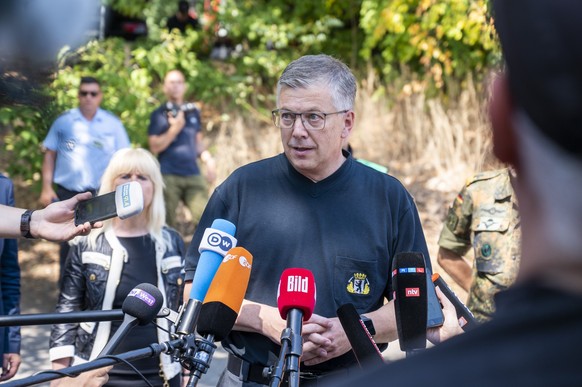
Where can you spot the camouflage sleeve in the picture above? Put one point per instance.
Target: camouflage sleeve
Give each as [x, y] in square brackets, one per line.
[456, 233]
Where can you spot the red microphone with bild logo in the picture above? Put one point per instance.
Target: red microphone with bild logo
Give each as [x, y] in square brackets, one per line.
[296, 301]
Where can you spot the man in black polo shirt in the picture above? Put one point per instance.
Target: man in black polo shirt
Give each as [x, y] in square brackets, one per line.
[313, 207]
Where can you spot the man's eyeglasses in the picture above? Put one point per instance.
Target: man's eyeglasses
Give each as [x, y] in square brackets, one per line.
[284, 119]
[84, 93]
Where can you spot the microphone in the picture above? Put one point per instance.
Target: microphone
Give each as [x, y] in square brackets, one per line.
[221, 307]
[409, 284]
[141, 306]
[124, 202]
[295, 300]
[296, 293]
[216, 241]
[466, 319]
[225, 295]
[365, 349]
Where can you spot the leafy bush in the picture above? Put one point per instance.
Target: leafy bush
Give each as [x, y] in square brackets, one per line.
[439, 41]
[438, 38]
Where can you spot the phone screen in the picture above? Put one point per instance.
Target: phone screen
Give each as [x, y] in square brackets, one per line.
[95, 209]
[435, 313]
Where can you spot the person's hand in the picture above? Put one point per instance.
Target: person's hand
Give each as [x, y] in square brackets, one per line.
[185, 379]
[10, 365]
[94, 378]
[56, 222]
[450, 326]
[314, 343]
[324, 339]
[47, 196]
[177, 123]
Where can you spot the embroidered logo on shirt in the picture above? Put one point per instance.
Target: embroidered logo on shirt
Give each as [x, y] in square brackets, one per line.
[359, 284]
[486, 250]
[70, 145]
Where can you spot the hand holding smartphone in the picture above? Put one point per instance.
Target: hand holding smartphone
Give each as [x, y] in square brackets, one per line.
[124, 202]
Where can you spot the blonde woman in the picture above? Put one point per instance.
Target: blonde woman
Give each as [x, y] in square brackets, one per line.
[104, 266]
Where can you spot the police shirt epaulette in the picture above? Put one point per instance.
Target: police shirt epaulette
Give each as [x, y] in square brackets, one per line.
[486, 175]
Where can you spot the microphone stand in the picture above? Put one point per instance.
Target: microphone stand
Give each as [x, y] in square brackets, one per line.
[60, 318]
[151, 351]
[291, 351]
[277, 372]
[199, 362]
[69, 317]
[188, 317]
[194, 353]
[296, 349]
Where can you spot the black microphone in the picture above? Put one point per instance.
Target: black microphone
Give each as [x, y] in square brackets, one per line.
[365, 349]
[466, 319]
[409, 284]
[141, 306]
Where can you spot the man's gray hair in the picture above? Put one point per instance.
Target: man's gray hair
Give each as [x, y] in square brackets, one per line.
[314, 70]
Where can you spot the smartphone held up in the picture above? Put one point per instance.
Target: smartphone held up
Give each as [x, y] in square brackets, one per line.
[124, 202]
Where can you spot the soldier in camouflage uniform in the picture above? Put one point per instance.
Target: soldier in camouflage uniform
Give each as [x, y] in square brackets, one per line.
[484, 215]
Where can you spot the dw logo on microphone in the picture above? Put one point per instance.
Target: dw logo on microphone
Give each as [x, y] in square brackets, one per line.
[296, 283]
[412, 292]
[221, 241]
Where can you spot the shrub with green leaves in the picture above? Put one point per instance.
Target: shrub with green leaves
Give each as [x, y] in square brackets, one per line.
[438, 41]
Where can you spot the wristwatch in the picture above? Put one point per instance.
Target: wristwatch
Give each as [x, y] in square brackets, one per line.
[25, 224]
[369, 324]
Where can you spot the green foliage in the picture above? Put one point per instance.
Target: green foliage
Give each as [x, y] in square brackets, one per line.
[438, 40]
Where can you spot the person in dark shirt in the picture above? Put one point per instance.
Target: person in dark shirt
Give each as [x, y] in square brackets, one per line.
[182, 19]
[534, 337]
[314, 207]
[175, 135]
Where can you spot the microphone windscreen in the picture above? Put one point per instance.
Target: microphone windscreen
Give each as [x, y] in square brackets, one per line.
[363, 346]
[143, 302]
[409, 283]
[225, 295]
[216, 241]
[296, 291]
